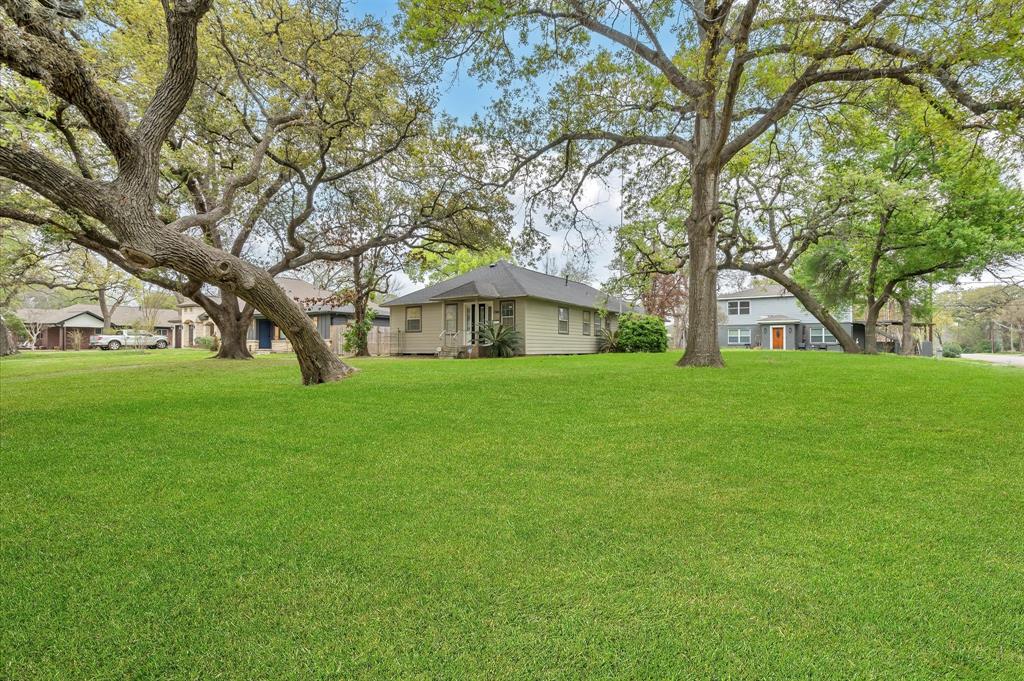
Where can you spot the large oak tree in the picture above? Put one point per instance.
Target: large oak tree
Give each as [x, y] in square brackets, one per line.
[703, 79]
[39, 47]
[291, 103]
[922, 203]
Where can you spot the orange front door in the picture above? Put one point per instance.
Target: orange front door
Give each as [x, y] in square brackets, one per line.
[778, 338]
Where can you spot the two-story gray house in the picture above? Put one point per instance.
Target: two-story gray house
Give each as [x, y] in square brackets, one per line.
[770, 317]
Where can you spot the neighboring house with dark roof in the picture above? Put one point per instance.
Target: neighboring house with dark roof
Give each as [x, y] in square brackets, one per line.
[770, 317]
[59, 326]
[553, 315]
[262, 334]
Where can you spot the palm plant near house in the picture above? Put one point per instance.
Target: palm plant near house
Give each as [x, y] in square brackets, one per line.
[609, 341]
[502, 339]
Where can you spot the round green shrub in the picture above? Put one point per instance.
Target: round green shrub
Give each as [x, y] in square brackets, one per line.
[642, 333]
[951, 350]
[208, 343]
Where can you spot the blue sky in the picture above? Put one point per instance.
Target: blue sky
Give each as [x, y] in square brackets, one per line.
[462, 96]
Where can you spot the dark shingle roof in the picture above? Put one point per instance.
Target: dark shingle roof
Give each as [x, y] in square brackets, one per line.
[504, 280]
[311, 298]
[124, 315]
[762, 291]
[769, 318]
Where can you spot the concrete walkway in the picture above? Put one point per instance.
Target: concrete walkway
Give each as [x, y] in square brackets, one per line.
[1008, 360]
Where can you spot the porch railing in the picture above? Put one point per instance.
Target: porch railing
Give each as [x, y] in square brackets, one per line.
[457, 340]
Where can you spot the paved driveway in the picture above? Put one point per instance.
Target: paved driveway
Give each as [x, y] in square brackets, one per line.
[1009, 360]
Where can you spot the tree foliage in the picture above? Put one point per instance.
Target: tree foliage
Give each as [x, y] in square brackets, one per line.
[924, 203]
[673, 88]
[439, 264]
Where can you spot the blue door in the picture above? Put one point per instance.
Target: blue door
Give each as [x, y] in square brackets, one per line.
[265, 332]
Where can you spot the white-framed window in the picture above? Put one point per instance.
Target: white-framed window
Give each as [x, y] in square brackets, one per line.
[739, 336]
[563, 320]
[413, 319]
[739, 307]
[819, 334]
[508, 313]
[586, 322]
[451, 318]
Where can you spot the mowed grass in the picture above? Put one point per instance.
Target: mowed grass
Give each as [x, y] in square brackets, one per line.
[793, 515]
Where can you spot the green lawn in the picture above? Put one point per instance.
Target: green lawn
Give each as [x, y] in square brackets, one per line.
[794, 515]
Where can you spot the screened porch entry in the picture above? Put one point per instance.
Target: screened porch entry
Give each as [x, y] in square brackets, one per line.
[464, 319]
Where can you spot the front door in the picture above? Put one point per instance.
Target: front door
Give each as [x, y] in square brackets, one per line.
[778, 338]
[475, 315]
[265, 334]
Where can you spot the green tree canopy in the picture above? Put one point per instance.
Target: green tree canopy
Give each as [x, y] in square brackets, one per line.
[594, 88]
[928, 202]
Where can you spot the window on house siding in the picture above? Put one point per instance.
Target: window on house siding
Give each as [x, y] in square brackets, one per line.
[451, 318]
[508, 313]
[563, 320]
[413, 319]
[586, 322]
[739, 307]
[739, 336]
[820, 334]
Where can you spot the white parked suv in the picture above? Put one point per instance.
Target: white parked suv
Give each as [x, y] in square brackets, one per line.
[127, 338]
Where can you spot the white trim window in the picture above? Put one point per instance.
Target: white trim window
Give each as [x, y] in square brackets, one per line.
[739, 307]
[739, 336]
[413, 319]
[586, 322]
[820, 335]
[508, 313]
[451, 317]
[563, 321]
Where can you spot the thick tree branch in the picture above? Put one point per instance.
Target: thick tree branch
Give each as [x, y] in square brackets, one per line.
[52, 180]
[39, 51]
[174, 90]
[653, 56]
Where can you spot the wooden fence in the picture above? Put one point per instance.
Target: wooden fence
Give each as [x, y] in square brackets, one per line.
[378, 340]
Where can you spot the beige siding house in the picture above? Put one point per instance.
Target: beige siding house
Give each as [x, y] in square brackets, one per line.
[554, 316]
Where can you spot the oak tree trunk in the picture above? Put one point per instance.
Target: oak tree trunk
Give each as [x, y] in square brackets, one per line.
[233, 324]
[105, 311]
[234, 343]
[871, 327]
[148, 243]
[702, 234]
[907, 341]
[7, 344]
[360, 304]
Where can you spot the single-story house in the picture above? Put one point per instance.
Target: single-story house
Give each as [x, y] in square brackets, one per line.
[553, 315]
[324, 314]
[59, 328]
[768, 316]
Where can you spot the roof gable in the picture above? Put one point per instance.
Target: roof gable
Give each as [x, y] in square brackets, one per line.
[124, 315]
[763, 291]
[504, 280]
